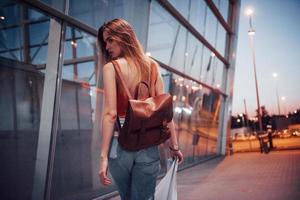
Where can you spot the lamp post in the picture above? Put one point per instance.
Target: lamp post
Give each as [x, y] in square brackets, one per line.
[251, 33]
[275, 75]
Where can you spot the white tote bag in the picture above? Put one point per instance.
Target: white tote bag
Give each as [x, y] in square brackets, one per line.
[167, 187]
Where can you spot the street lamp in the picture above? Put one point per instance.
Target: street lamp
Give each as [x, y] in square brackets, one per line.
[251, 33]
[275, 75]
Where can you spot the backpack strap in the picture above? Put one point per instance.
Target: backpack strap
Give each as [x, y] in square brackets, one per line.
[153, 78]
[119, 74]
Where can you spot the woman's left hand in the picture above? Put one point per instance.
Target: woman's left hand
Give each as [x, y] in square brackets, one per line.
[103, 173]
[178, 155]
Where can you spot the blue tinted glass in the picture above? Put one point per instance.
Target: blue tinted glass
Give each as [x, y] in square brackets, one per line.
[58, 4]
[11, 14]
[39, 54]
[35, 15]
[38, 33]
[11, 38]
[67, 72]
[86, 71]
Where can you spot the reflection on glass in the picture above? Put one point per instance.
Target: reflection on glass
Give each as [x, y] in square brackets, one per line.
[178, 48]
[80, 122]
[196, 113]
[22, 47]
[203, 20]
[222, 5]
[95, 13]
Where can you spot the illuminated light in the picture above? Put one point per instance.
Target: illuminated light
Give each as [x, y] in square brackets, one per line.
[212, 54]
[178, 110]
[186, 54]
[295, 111]
[2, 17]
[274, 75]
[148, 53]
[187, 87]
[180, 79]
[251, 32]
[74, 44]
[195, 88]
[183, 98]
[249, 11]
[181, 85]
[187, 110]
[238, 120]
[175, 80]
[174, 98]
[241, 115]
[283, 98]
[91, 93]
[218, 85]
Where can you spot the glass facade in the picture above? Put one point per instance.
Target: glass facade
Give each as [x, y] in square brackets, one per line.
[68, 72]
[23, 48]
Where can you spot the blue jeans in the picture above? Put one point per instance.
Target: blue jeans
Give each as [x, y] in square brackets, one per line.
[135, 172]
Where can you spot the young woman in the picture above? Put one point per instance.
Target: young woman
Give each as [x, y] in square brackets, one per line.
[134, 172]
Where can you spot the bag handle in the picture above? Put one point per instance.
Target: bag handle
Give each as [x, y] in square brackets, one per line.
[119, 74]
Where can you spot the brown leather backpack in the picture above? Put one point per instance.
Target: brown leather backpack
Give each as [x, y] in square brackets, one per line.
[146, 119]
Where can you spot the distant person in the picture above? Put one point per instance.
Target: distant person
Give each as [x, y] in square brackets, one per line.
[134, 172]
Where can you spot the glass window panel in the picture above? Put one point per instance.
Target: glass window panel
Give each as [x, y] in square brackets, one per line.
[86, 71]
[80, 109]
[20, 102]
[34, 15]
[10, 38]
[58, 4]
[222, 5]
[203, 20]
[38, 33]
[95, 13]
[7, 114]
[11, 13]
[68, 72]
[178, 48]
[39, 54]
[221, 40]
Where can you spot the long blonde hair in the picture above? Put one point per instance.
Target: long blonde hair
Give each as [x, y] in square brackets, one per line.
[122, 32]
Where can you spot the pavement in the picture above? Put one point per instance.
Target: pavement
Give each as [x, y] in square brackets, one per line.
[253, 176]
[244, 176]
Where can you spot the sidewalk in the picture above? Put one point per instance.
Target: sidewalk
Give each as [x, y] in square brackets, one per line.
[252, 176]
[247, 176]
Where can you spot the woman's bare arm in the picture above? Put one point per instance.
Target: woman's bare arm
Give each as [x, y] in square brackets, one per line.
[110, 108]
[109, 119]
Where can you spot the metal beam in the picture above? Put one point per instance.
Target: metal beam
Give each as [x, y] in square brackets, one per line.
[219, 16]
[47, 128]
[61, 15]
[173, 70]
[181, 19]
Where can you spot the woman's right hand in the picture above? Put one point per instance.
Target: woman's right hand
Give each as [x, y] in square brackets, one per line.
[103, 172]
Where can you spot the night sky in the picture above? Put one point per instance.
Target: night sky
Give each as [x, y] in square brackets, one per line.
[277, 46]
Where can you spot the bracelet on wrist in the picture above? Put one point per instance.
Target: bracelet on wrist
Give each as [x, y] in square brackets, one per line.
[173, 149]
